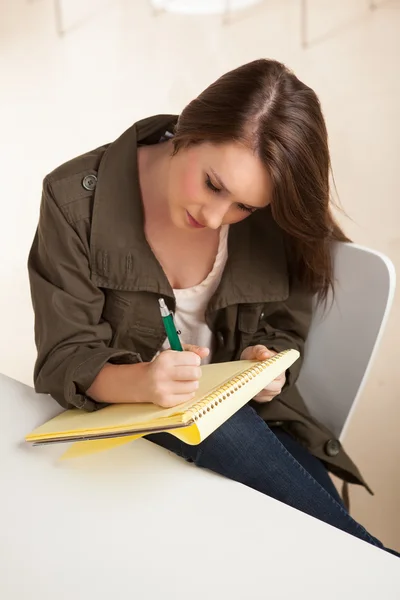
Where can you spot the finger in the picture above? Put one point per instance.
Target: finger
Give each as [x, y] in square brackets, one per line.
[262, 352]
[275, 387]
[188, 373]
[258, 352]
[279, 380]
[175, 399]
[199, 350]
[264, 397]
[184, 387]
[187, 358]
[251, 352]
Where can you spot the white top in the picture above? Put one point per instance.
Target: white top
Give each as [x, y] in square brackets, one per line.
[139, 519]
[191, 303]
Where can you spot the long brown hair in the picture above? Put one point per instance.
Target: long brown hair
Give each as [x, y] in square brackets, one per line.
[265, 106]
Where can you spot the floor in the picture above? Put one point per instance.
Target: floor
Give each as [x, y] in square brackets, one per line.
[120, 60]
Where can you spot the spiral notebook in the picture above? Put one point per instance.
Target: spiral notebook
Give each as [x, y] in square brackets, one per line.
[224, 388]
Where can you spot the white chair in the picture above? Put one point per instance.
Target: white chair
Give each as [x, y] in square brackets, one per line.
[344, 338]
[341, 344]
[228, 7]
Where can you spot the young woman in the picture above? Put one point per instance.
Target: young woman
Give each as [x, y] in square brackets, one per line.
[224, 212]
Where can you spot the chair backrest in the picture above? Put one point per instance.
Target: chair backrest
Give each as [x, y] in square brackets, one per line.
[344, 337]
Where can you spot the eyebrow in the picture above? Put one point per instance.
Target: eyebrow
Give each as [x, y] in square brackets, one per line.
[219, 181]
[223, 187]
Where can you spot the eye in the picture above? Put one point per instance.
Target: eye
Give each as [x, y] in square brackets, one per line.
[246, 208]
[211, 186]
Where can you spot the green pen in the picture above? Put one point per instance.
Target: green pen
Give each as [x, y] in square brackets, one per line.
[169, 325]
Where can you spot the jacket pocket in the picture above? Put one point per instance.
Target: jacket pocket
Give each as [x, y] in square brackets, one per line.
[135, 321]
[248, 323]
[249, 317]
[116, 311]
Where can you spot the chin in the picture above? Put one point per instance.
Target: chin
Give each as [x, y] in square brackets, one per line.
[178, 219]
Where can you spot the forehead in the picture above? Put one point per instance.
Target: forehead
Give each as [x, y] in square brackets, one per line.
[240, 169]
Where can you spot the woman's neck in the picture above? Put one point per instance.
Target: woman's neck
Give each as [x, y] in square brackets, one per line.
[153, 165]
[166, 240]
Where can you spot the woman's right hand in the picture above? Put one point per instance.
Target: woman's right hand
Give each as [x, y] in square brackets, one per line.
[173, 377]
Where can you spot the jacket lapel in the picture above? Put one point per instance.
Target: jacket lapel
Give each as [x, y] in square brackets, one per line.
[121, 258]
[120, 255]
[256, 269]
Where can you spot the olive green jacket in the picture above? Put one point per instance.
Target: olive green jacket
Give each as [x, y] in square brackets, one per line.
[95, 285]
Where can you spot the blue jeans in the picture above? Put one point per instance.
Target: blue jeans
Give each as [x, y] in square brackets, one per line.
[246, 450]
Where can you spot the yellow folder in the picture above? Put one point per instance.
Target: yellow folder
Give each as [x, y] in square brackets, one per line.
[224, 389]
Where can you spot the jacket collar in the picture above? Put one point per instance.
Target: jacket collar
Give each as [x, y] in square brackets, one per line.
[122, 259]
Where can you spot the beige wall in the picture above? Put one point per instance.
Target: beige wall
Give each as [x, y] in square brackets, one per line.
[118, 62]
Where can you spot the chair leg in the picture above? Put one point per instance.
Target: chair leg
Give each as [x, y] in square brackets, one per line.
[304, 23]
[154, 10]
[59, 17]
[227, 12]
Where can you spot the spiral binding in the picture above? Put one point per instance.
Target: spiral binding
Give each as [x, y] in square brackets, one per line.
[224, 392]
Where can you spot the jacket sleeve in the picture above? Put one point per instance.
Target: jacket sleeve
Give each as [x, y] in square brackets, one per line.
[71, 337]
[287, 327]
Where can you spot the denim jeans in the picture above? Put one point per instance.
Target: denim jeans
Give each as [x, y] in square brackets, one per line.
[246, 450]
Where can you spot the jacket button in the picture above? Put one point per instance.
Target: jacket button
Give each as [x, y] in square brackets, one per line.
[332, 447]
[220, 338]
[89, 182]
[262, 316]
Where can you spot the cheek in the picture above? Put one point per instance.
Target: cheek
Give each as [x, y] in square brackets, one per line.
[190, 186]
[235, 216]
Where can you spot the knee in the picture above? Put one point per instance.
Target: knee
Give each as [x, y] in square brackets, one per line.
[235, 436]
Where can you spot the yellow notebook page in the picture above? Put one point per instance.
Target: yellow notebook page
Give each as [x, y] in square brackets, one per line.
[206, 421]
[220, 407]
[123, 417]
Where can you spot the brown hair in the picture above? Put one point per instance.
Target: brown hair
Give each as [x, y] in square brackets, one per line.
[264, 105]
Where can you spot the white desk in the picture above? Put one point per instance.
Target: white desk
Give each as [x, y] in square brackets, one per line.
[137, 522]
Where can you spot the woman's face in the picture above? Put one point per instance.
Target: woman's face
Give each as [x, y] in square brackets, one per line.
[211, 185]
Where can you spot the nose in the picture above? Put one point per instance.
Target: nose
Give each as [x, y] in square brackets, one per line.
[213, 215]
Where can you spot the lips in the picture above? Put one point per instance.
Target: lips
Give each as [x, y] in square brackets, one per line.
[193, 222]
